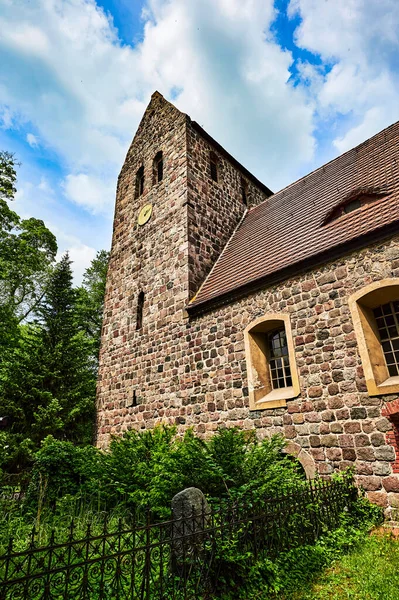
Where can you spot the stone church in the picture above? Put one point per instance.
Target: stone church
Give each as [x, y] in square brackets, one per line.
[228, 305]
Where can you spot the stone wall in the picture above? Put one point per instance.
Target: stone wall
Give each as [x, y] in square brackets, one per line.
[193, 372]
[214, 208]
[151, 258]
[334, 420]
[142, 368]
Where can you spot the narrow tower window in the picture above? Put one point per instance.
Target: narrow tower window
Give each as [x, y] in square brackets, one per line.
[140, 306]
[157, 168]
[214, 166]
[134, 401]
[139, 182]
[244, 192]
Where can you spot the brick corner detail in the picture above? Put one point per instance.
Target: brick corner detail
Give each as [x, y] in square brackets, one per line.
[391, 410]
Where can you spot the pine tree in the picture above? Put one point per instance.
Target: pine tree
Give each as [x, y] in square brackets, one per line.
[90, 300]
[68, 370]
[48, 385]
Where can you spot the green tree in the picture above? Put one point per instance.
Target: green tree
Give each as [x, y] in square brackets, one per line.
[90, 300]
[49, 335]
[68, 373]
[8, 175]
[49, 383]
[27, 251]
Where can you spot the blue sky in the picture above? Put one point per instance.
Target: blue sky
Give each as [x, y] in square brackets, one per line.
[284, 85]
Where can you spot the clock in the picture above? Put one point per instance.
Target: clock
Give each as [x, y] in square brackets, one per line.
[145, 214]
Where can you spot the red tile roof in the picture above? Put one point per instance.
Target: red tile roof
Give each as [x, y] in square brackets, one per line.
[286, 233]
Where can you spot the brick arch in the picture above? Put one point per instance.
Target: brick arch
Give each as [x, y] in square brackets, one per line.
[306, 460]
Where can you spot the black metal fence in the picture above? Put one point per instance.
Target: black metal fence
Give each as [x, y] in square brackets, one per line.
[177, 559]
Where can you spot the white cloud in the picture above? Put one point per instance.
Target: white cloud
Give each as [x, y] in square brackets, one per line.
[95, 195]
[233, 80]
[66, 75]
[81, 257]
[32, 140]
[374, 120]
[65, 71]
[28, 39]
[45, 186]
[360, 41]
[35, 199]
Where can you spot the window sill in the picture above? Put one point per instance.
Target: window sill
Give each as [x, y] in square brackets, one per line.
[390, 381]
[389, 386]
[276, 398]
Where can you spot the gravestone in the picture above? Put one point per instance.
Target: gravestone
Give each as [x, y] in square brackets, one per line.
[191, 516]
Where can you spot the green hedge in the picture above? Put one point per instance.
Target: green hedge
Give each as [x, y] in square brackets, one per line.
[149, 468]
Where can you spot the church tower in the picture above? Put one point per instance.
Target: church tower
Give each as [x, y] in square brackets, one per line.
[179, 198]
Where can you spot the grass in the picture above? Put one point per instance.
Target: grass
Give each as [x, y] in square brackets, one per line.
[17, 522]
[371, 572]
[345, 562]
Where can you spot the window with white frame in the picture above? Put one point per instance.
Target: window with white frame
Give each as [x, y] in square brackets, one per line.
[375, 314]
[271, 367]
[387, 320]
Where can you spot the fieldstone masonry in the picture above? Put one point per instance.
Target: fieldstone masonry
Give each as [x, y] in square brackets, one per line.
[192, 372]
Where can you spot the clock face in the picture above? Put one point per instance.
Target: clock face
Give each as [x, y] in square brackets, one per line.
[145, 214]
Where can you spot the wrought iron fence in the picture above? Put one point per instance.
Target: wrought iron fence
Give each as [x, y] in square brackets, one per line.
[178, 559]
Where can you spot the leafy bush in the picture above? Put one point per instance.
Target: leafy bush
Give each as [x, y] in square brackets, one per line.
[148, 468]
[61, 469]
[242, 578]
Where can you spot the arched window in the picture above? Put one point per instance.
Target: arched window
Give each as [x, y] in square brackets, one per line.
[375, 313]
[213, 159]
[139, 190]
[157, 168]
[244, 192]
[270, 354]
[140, 307]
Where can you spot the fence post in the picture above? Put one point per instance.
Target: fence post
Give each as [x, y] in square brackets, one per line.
[147, 563]
[69, 553]
[30, 548]
[8, 554]
[50, 559]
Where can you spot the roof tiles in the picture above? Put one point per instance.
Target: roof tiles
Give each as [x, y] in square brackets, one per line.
[287, 229]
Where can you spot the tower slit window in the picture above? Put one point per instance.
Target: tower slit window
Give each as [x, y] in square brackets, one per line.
[140, 307]
[244, 192]
[139, 190]
[157, 171]
[214, 166]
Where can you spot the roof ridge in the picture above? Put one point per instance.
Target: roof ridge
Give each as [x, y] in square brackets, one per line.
[328, 163]
[286, 228]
